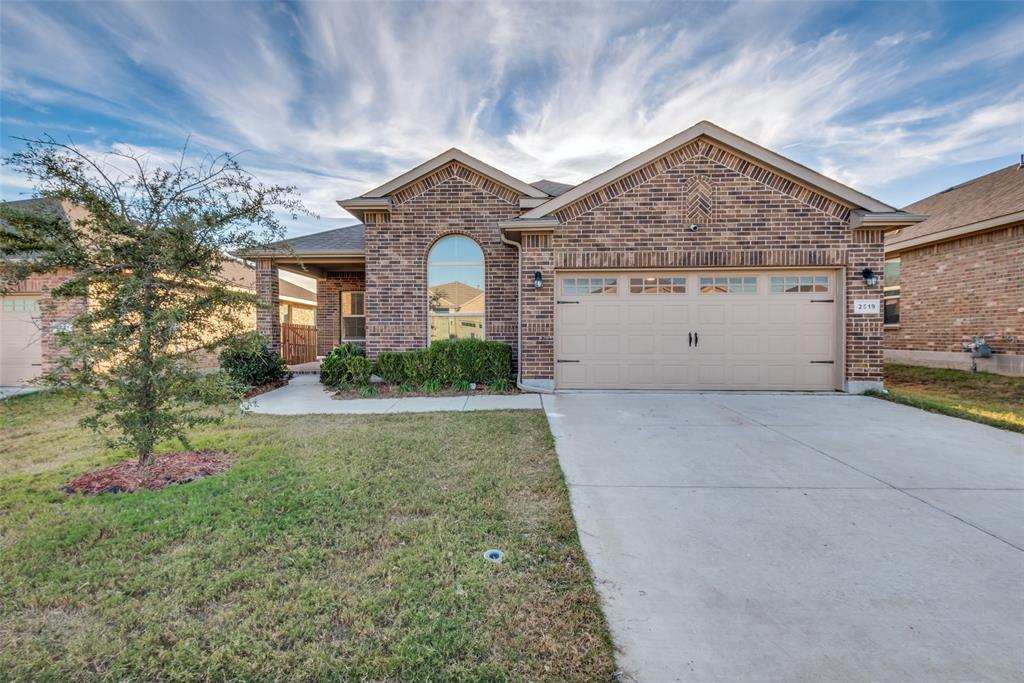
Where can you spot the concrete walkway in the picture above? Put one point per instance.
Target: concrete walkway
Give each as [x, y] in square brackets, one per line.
[819, 538]
[305, 395]
[7, 392]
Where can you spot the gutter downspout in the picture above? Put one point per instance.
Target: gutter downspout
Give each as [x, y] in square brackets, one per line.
[519, 318]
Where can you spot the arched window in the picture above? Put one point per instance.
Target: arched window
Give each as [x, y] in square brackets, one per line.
[455, 289]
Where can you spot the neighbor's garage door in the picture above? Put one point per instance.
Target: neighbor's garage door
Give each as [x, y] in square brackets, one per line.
[21, 349]
[696, 330]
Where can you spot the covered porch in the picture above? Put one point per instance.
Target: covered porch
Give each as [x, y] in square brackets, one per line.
[335, 261]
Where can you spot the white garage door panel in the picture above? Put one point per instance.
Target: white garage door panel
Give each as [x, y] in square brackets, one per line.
[21, 348]
[629, 336]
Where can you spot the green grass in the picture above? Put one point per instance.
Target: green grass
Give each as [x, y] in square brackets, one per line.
[994, 400]
[344, 548]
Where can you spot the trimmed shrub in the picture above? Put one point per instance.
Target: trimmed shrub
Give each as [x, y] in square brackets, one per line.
[391, 367]
[471, 360]
[359, 369]
[248, 360]
[334, 369]
[418, 366]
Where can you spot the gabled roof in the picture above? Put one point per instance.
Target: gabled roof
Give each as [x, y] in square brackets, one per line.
[456, 293]
[446, 157]
[339, 241]
[987, 202]
[743, 146]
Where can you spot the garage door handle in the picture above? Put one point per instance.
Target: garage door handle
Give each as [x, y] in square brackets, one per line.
[823, 301]
[567, 302]
[690, 342]
[567, 361]
[696, 340]
[824, 362]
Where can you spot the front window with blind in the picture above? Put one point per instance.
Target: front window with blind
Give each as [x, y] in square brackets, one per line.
[891, 292]
[353, 316]
[657, 285]
[455, 289]
[728, 285]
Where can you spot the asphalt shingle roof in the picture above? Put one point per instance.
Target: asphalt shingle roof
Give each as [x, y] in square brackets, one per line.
[990, 196]
[348, 238]
[552, 188]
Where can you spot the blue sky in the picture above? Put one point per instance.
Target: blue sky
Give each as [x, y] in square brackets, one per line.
[898, 99]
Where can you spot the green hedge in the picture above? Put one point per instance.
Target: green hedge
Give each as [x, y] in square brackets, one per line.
[446, 363]
[248, 360]
[337, 367]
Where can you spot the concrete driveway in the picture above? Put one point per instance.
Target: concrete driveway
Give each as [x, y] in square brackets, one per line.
[777, 537]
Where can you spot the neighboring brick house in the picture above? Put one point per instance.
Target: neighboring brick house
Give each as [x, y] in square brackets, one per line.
[958, 275]
[30, 316]
[706, 262]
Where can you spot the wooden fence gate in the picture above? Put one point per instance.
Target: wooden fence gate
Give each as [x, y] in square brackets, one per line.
[298, 343]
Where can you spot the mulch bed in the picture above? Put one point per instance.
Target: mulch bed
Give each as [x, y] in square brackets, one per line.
[388, 391]
[166, 469]
[264, 388]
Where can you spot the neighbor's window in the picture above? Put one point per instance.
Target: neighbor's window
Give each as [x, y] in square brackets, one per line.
[728, 285]
[353, 316]
[455, 289]
[891, 291]
[657, 285]
[589, 285]
[787, 284]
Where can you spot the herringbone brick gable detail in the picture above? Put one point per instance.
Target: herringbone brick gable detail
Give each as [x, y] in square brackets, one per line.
[448, 172]
[719, 155]
[699, 200]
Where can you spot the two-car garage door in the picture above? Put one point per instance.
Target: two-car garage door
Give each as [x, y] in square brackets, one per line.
[697, 330]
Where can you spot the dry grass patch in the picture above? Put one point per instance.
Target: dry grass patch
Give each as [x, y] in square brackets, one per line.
[995, 400]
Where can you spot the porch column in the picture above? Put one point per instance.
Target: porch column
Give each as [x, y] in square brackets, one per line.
[268, 315]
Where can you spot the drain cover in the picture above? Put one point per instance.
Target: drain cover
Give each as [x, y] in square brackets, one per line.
[494, 555]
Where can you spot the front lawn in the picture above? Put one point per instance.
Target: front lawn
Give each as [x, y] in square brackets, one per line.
[345, 548]
[991, 399]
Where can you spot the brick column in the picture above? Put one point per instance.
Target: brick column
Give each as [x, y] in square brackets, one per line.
[538, 355]
[268, 314]
[864, 332]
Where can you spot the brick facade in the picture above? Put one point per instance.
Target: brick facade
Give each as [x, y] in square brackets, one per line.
[328, 305]
[452, 200]
[952, 291]
[268, 314]
[54, 312]
[751, 217]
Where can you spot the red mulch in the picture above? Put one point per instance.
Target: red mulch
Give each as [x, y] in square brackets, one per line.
[264, 388]
[166, 469]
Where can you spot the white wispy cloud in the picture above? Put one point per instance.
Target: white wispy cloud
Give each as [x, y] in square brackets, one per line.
[335, 98]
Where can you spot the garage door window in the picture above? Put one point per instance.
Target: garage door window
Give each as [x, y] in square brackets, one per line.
[21, 305]
[728, 285]
[657, 285]
[799, 283]
[589, 285]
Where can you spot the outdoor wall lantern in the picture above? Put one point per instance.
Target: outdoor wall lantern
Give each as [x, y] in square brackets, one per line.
[870, 277]
[538, 280]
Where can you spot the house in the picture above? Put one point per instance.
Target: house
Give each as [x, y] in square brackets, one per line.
[705, 262]
[30, 316]
[959, 275]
